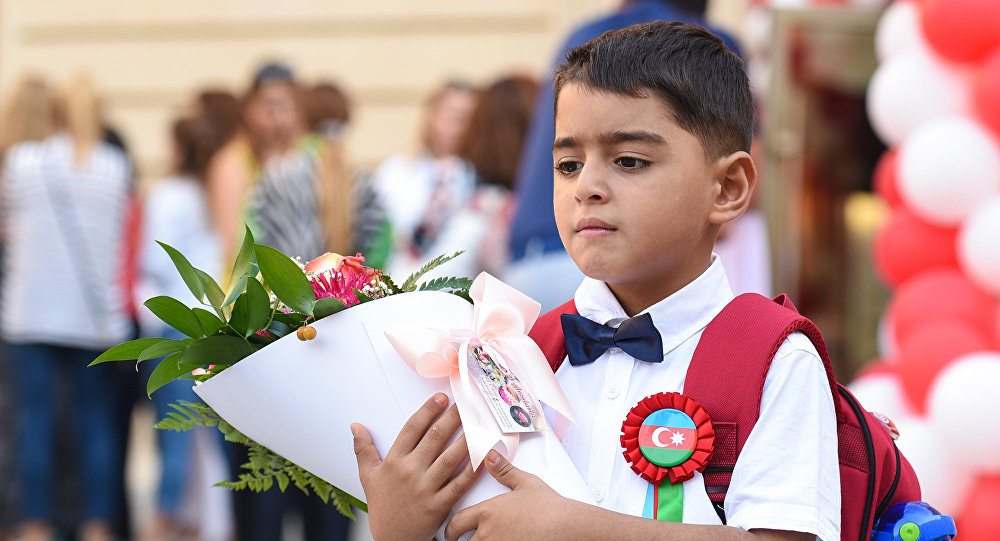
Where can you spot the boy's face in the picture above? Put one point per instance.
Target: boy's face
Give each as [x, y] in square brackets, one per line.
[633, 191]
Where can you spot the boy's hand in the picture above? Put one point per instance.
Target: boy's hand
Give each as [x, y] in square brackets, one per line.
[411, 492]
[531, 510]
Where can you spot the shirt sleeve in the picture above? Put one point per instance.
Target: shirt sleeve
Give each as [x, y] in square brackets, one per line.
[787, 476]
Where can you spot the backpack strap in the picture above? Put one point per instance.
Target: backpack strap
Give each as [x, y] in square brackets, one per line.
[548, 334]
[738, 347]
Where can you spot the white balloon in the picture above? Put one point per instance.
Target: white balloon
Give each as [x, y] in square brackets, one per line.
[964, 409]
[882, 393]
[912, 88]
[979, 245]
[868, 3]
[947, 167]
[944, 480]
[899, 30]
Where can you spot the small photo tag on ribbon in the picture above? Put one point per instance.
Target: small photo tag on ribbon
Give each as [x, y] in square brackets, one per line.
[515, 410]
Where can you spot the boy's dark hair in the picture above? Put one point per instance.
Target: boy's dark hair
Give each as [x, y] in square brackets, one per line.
[686, 66]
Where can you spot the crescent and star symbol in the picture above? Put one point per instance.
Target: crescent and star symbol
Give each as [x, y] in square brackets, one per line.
[676, 438]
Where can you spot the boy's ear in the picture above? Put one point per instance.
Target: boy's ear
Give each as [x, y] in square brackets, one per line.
[735, 178]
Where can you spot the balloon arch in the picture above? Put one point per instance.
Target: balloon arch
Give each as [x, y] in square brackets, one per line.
[935, 101]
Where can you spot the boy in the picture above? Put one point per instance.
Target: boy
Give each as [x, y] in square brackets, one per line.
[653, 125]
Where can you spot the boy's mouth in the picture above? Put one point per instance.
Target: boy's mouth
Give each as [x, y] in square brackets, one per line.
[593, 227]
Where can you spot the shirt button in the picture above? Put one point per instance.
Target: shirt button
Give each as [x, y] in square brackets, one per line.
[599, 494]
[613, 391]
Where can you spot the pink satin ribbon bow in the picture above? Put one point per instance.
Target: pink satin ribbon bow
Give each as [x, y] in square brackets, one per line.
[502, 318]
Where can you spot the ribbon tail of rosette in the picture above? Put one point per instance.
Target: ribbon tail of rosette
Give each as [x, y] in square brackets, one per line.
[481, 430]
[528, 362]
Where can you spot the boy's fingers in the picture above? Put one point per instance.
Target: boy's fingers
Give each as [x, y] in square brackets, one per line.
[437, 436]
[460, 484]
[444, 466]
[364, 449]
[417, 424]
[463, 521]
[503, 471]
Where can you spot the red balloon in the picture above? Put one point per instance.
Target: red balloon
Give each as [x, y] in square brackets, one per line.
[907, 246]
[980, 520]
[928, 349]
[877, 367]
[943, 293]
[961, 30]
[986, 91]
[885, 181]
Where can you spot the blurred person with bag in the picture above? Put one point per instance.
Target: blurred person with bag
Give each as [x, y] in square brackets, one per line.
[422, 189]
[300, 179]
[350, 209]
[26, 116]
[64, 201]
[492, 146]
[175, 212]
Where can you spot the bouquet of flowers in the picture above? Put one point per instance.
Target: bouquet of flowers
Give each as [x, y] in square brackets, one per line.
[364, 349]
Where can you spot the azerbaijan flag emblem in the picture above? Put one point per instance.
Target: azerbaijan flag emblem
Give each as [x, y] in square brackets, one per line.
[667, 437]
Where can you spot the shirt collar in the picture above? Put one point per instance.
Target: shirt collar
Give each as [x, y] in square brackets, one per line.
[677, 317]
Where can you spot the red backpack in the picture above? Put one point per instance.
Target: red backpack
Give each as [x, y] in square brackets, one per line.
[740, 344]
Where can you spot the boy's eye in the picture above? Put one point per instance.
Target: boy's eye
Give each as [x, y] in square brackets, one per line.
[568, 167]
[628, 162]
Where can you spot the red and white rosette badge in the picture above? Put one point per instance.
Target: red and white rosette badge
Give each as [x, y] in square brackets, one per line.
[667, 437]
[498, 375]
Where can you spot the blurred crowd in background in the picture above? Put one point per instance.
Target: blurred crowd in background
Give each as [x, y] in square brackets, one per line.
[79, 253]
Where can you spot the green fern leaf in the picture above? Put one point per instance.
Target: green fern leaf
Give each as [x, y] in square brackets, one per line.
[446, 283]
[411, 282]
[390, 284]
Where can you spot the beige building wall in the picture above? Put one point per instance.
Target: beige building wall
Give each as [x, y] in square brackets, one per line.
[150, 56]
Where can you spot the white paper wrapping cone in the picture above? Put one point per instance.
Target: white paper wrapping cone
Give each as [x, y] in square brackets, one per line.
[299, 398]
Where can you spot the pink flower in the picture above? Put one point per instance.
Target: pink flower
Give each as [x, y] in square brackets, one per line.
[325, 262]
[333, 275]
[203, 371]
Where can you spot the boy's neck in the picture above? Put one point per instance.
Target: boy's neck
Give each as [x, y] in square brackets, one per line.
[638, 295]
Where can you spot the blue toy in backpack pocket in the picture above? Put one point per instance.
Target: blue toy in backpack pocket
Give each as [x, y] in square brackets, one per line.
[913, 521]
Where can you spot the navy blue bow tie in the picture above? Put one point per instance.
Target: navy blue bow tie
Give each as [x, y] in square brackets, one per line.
[586, 340]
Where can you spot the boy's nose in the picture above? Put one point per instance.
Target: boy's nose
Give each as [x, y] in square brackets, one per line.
[590, 185]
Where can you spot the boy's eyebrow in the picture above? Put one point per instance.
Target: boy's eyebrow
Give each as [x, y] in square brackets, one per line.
[628, 136]
[613, 138]
[564, 142]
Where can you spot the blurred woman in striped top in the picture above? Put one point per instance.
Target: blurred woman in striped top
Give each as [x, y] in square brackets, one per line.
[63, 303]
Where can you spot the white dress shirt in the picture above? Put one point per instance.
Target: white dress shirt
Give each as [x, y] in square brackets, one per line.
[786, 477]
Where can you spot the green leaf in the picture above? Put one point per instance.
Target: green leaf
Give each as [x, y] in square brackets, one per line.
[127, 351]
[212, 289]
[161, 349]
[218, 349]
[293, 320]
[362, 298]
[287, 280]
[342, 501]
[241, 267]
[210, 323]
[411, 282]
[168, 370]
[176, 314]
[327, 306]
[451, 282]
[258, 306]
[238, 315]
[387, 280]
[279, 329]
[237, 289]
[357, 503]
[282, 481]
[186, 270]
